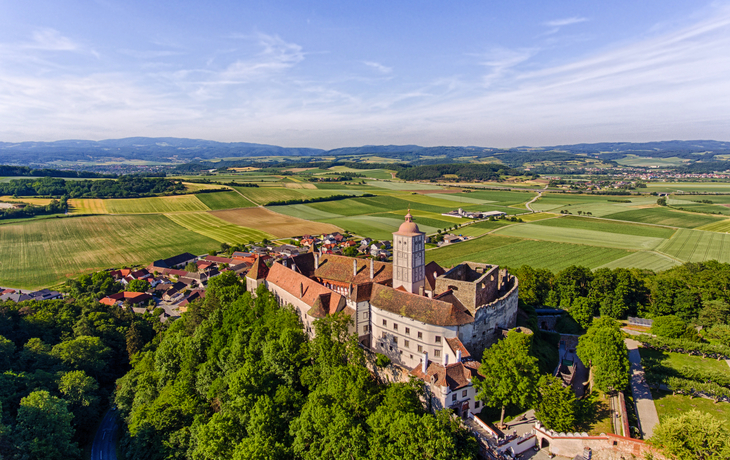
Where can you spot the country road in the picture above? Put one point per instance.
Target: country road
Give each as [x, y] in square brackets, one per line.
[104, 447]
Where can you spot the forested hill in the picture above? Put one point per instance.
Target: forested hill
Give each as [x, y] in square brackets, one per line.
[178, 150]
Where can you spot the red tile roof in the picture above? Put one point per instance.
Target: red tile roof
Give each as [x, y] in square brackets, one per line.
[433, 270]
[455, 376]
[259, 270]
[132, 297]
[340, 268]
[456, 345]
[322, 300]
[429, 311]
[219, 260]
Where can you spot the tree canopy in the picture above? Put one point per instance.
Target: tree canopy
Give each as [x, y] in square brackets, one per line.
[693, 435]
[603, 348]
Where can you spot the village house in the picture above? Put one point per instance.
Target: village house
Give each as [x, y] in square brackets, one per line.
[133, 298]
[431, 321]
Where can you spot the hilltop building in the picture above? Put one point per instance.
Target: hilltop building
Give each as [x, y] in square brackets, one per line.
[434, 322]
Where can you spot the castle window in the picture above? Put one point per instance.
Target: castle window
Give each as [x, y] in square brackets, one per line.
[463, 394]
[476, 404]
[385, 323]
[438, 339]
[408, 330]
[395, 326]
[385, 335]
[365, 328]
[406, 343]
[453, 397]
[437, 353]
[420, 335]
[395, 339]
[420, 348]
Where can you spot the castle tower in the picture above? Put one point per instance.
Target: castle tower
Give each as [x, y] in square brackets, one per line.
[409, 256]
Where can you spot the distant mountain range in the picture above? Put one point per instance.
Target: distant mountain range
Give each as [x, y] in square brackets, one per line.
[179, 150]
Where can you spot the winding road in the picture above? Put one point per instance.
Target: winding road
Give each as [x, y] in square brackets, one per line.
[104, 447]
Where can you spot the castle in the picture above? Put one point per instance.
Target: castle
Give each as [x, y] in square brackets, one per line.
[433, 321]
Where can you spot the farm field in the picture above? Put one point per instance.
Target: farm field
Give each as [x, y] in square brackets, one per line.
[664, 216]
[426, 222]
[687, 187]
[481, 228]
[459, 199]
[532, 217]
[580, 236]
[697, 246]
[87, 206]
[224, 200]
[373, 173]
[45, 252]
[303, 211]
[155, 205]
[265, 195]
[648, 260]
[502, 198]
[212, 227]
[377, 227]
[700, 207]
[394, 185]
[273, 223]
[28, 200]
[586, 223]
[514, 252]
[722, 226]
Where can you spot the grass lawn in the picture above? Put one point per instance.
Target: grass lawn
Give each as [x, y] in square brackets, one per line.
[598, 419]
[580, 236]
[679, 360]
[158, 204]
[668, 405]
[664, 216]
[224, 200]
[585, 223]
[697, 246]
[43, 252]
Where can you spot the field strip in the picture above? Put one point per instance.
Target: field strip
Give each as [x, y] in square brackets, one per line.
[218, 229]
[580, 236]
[155, 205]
[249, 199]
[630, 222]
[651, 260]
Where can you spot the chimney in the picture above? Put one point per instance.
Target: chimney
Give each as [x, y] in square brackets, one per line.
[354, 267]
[421, 291]
[316, 260]
[301, 290]
[293, 267]
[372, 269]
[458, 356]
[424, 363]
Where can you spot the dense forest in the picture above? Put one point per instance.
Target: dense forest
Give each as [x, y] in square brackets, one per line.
[59, 360]
[695, 293]
[237, 378]
[460, 171]
[13, 171]
[132, 186]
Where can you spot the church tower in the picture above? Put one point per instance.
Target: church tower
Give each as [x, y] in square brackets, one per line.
[409, 256]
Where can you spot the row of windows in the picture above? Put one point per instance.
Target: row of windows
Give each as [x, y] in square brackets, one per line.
[408, 331]
[407, 344]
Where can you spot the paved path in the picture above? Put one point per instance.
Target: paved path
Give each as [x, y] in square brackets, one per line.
[527, 205]
[104, 447]
[646, 411]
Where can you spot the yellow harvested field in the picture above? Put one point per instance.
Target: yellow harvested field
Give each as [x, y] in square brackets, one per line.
[35, 201]
[537, 216]
[274, 223]
[300, 186]
[193, 187]
[87, 206]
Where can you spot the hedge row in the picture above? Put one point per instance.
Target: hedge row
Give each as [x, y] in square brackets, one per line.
[685, 346]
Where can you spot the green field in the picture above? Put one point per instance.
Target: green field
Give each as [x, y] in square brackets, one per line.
[586, 223]
[212, 227]
[497, 197]
[514, 252]
[394, 185]
[303, 211]
[722, 226]
[647, 162]
[459, 198]
[688, 187]
[155, 205]
[580, 236]
[648, 260]
[697, 246]
[664, 216]
[481, 228]
[44, 252]
[376, 227]
[224, 200]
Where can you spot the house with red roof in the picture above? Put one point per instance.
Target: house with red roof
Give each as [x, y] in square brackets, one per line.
[133, 298]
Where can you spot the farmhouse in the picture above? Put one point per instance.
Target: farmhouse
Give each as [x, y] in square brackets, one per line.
[134, 298]
[434, 322]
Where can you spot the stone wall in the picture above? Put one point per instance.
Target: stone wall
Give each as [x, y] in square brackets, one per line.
[602, 447]
[473, 284]
[488, 322]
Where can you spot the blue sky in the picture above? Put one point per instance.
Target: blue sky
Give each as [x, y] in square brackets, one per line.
[343, 73]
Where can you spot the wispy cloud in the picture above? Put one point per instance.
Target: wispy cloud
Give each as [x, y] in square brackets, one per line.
[565, 21]
[379, 67]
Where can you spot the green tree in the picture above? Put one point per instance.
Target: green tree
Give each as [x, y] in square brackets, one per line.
[714, 312]
[693, 435]
[603, 348]
[535, 284]
[78, 388]
[84, 353]
[350, 251]
[191, 267]
[669, 326]
[138, 286]
[7, 350]
[582, 311]
[556, 404]
[43, 428]
[135, 339]
[661, 201]
[571, 283]
[510, 373]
